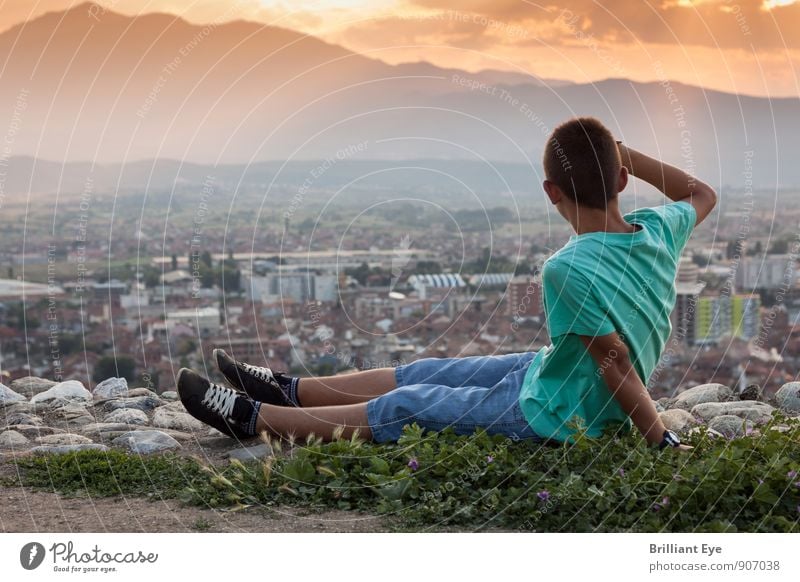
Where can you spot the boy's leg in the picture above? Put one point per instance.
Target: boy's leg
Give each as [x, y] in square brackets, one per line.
[321, 421]
[483, 371]
[363, 386]
[346, 389]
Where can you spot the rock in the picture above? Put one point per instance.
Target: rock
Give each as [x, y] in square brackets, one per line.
[71, 391]
[659, 406]
[142, 392]
[677, 419]
[23, 418]
[690, 398]
[143, 403]
[31, 385]
[111, 388]
[63, 439]
[146, 441]
[169, 395]
[12, 438]
[788, 398]
[757, 412]
[63, 449]
[8, 396]
[100, 428]
[730, 426]
[169, 418]
[704, 429]
[751, 392]
[127, 416]
[71, 411]
[33, 432]
[257, 452]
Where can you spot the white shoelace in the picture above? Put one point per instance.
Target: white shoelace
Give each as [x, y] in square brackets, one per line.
[263, 374]
[220, 400]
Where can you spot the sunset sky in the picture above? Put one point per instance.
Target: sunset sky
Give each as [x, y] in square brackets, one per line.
[744, 46]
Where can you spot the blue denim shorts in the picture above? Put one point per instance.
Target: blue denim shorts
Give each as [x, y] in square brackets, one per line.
[462, 393]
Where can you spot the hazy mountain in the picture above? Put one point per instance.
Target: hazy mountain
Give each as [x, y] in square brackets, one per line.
[101, 86]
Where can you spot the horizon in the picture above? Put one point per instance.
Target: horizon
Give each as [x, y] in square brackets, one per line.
[503, 43]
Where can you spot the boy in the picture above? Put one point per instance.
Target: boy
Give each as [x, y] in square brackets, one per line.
[608, 294]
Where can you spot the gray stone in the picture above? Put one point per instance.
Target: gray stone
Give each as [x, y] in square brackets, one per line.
[169, 395]
[33, 432]
[677, 419]
[698, 430]
[146, 441]
[257, 452]
[730, 426]
[143, 403]
[63, 439]
[659, 406]
[141, 392]
[751, 392]
[99, 428]
[690, 398]
[71, 411]
[788, 398]
[23, 418]
[8, 396]
[169, 418]
[12, 438]
[63, 449]
[128, 416]
[757, 412]
[111, 388]
[71, 391]
[31, 385]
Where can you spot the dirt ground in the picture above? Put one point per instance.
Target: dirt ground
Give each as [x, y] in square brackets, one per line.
[24, 510]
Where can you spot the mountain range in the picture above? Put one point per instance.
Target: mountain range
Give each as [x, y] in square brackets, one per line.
[91, 85]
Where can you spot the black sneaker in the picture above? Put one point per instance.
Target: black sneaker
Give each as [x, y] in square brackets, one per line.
[223, 408]
[259, 383]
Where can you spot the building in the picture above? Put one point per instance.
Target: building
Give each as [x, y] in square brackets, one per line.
[684, 315]
[205, 320]
[524, 297]
[721, 317]
[301, 286]
[766, 272]
[745, 316]
[425, 284]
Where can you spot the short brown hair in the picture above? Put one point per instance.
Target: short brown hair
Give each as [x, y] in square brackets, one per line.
[581, 158]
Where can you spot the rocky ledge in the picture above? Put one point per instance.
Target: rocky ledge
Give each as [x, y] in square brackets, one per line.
[42, 416]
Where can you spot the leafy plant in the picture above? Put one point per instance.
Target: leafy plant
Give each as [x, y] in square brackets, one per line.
[443, 481]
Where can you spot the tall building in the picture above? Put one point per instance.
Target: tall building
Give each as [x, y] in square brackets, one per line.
[524, 297]
[300, 286]
[745, 316]
[766, 272]
[712, 319]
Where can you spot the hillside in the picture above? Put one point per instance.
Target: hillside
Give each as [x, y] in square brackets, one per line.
[115, 88]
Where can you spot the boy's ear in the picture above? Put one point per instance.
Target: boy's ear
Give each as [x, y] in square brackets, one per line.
[553, 191]
[622, 181]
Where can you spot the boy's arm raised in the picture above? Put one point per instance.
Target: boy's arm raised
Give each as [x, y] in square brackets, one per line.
[676, 184]
[613, 361]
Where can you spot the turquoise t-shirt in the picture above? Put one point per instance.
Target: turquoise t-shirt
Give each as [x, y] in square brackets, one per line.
[599, 283]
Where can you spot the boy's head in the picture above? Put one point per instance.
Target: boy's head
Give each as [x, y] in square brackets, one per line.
[582, 164]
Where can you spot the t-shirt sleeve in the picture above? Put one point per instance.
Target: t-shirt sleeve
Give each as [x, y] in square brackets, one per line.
[678, 219]
[570, 304]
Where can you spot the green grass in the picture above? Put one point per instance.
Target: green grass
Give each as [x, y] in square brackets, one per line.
[441, 481]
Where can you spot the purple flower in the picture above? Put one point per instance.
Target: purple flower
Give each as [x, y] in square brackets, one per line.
[791, 474]
[621, 472]
[760, 481]
[656, 507]
[413, 464]
[797, 483]
[489, 459]
[665, 501]
[544, 495]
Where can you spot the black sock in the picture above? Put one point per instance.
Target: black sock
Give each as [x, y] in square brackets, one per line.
[245, 414]
[289, 386]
